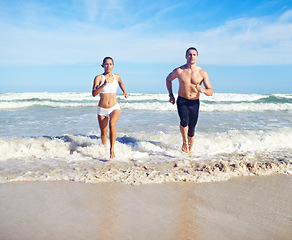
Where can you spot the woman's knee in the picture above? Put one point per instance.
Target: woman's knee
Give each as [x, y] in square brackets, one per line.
[112, 124]
[103, 130]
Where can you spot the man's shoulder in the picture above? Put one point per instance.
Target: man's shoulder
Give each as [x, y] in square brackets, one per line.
[202, 71]
[179, 69]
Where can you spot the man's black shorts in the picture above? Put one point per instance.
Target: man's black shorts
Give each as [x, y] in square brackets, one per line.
[188, 111]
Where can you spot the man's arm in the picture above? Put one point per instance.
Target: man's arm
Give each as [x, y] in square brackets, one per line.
[169, 80]
[208, 90]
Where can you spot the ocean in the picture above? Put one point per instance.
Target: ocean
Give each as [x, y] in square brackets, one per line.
[55, 136]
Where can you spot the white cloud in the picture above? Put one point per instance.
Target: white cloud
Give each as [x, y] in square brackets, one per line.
[92, 8]
[256, 41]
[286, 17]
[249, 42]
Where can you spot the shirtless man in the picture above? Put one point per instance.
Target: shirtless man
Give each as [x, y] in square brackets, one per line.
[190, 77]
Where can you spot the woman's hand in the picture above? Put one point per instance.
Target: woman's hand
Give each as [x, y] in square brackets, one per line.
[105, 83]
[126, 95]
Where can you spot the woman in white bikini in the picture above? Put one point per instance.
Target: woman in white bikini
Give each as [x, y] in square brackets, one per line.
[108, 109]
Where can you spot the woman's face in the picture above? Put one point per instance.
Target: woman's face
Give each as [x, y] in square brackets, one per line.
[108, 65]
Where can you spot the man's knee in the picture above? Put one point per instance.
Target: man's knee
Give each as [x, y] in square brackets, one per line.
[183, 123]
[191, 132]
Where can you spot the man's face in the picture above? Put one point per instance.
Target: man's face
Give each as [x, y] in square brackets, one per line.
[192, 56]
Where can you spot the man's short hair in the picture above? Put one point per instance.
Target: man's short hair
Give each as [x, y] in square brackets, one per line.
[192, 48]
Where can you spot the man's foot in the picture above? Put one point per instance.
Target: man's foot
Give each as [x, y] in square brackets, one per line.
[190, 148]
[185, 148]
[191, 143]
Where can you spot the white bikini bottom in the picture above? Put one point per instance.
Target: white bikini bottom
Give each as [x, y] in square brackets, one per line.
[107, 111]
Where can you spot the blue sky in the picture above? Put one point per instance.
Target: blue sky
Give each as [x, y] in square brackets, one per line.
[57, 46]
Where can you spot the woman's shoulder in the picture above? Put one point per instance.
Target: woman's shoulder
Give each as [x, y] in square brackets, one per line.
[98, 79]
[100, 76]
[117, 76]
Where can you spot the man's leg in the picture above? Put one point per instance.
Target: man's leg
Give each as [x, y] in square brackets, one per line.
[191, 141]
[183, 113]
[184, 134]
[193, 119]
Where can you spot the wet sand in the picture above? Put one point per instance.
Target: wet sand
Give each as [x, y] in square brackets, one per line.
[241, 208]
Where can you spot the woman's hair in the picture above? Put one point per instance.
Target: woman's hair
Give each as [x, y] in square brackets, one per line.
[103, 62]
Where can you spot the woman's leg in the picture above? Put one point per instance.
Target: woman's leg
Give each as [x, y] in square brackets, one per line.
[103, 124]
[114, 116]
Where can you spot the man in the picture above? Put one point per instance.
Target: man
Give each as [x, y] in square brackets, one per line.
[190, 77]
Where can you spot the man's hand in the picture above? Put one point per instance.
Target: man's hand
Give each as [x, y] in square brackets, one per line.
[200, 88]
[172, 99]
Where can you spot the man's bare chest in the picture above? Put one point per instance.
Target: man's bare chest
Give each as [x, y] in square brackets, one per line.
[190, 78]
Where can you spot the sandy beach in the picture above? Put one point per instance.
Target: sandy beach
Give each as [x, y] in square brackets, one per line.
[241, 208]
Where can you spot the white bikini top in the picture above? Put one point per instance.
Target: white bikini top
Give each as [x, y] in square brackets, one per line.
[110, 87]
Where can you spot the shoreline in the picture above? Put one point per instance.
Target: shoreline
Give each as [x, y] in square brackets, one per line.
[255, 207]
[139, 173]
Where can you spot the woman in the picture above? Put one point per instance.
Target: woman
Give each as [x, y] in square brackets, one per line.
[108, 109]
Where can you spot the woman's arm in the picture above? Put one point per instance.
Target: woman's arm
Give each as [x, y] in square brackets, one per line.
[122, 86]
[96, 89]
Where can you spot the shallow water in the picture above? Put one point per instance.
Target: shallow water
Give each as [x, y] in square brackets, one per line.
[46, 132]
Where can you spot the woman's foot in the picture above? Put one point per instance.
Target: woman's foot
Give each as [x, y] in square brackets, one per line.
[112, 154]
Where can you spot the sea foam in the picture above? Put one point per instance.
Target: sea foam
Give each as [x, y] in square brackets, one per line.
[215, 157]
